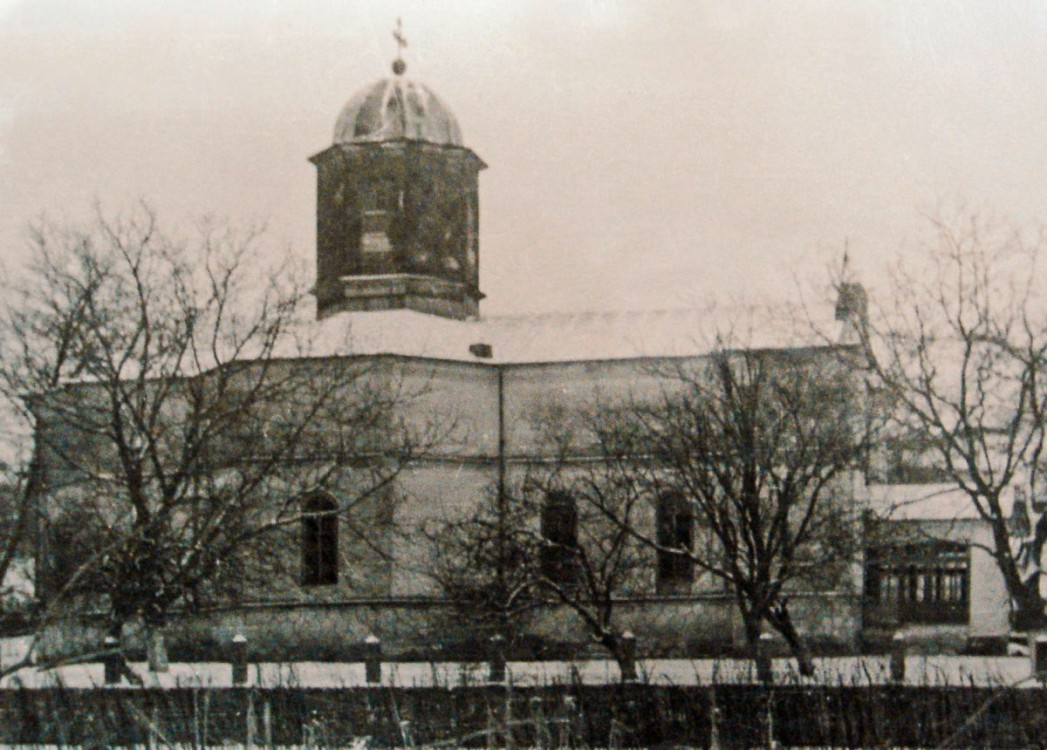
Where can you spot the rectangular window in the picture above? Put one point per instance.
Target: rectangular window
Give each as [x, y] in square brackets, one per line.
[675, 540]
[559, 563]
[922, 583]
[319, 541]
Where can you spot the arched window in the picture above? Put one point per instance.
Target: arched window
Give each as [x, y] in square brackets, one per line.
[319, 541]
[560, 538]
[675, 543]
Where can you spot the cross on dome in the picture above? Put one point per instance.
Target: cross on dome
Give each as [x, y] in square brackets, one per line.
[399, 66]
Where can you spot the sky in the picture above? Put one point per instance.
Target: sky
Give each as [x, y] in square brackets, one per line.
[642, 154]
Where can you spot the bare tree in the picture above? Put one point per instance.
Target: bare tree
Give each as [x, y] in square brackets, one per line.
[544, 542]
[959, 350]
[739, 465]
[180, 428]
[586, 561]
[744, 461]
[15, 548]
[486, 562]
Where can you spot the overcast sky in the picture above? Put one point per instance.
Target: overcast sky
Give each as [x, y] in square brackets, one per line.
[642, 153]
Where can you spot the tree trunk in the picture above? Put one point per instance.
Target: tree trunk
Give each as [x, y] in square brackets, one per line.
[782, 622]
[1028, 603]
[115, 631]
[1028, 611]
[614, 647]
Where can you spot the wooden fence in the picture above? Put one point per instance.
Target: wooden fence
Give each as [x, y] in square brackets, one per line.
[623, 715]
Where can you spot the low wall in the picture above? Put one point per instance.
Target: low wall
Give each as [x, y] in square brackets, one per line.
[425, 629]
[710, 625]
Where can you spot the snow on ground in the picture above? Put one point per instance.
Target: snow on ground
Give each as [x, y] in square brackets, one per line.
[865, 670]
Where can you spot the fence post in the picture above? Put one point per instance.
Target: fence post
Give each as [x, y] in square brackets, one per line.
[267, 723]
[406, 734]
[154, 729]
[543, 737]
[898, 647]
[714, 725]
[250, 724]
[763, 658]
[496, 659]
[238, 659]
[111, 660]
[571, 721]
[372, 659]
[156, 650]
[1038, 655]
[628, 657]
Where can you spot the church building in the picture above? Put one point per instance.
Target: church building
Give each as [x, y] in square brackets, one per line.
[398, 276]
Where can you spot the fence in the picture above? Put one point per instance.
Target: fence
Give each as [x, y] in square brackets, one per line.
[493, 711]
[548, 716]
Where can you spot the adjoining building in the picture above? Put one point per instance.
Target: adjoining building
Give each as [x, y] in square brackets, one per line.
[398, 283]
[929, 572]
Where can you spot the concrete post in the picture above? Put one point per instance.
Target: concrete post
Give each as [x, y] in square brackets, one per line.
[898, 648]
[238, 659]
[763, 657]
[628, 645]
[496, 659]
[372, 659]
[157, 651]
[112, 660]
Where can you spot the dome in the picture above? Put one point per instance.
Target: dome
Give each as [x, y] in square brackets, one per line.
[394, 108]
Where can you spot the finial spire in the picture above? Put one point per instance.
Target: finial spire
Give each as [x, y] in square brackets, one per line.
[845, 269]
[399, 66]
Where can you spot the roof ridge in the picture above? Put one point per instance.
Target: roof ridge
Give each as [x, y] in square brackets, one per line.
[585, 313]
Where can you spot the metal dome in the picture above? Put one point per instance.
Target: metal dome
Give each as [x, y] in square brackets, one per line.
[393, 109]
